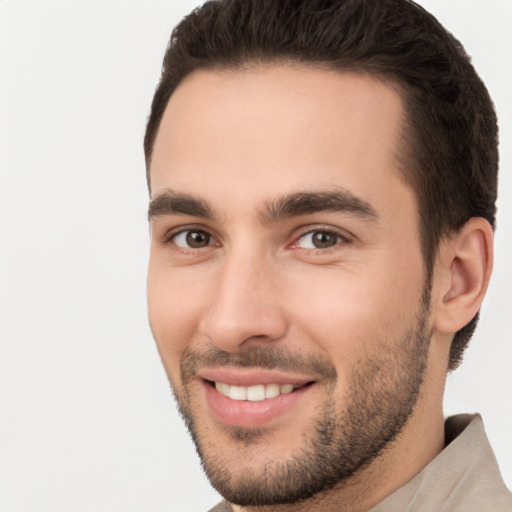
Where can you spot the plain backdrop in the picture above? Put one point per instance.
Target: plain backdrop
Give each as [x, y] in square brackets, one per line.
[87, 421]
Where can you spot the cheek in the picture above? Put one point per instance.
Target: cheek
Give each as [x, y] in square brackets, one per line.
[350, 314]
[173, 311]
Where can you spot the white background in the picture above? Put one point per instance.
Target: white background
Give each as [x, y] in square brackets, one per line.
[87, 422]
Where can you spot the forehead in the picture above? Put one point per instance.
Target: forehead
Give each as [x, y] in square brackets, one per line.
[278, 127]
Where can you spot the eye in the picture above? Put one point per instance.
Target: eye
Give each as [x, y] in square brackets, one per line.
[192, 239]
[319, 240]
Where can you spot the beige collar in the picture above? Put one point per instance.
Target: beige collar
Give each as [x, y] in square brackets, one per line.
[464, 477]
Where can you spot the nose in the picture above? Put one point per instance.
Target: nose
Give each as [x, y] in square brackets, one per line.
[245, 307]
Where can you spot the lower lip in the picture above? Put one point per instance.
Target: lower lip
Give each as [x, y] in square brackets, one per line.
[248, 414]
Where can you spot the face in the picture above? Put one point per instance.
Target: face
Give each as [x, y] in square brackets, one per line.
[286, 286]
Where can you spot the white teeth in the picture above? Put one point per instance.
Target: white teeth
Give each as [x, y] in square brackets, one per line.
[238, 393]
[222, 388]
[253, 393]
[286, 388]
[256, 393]
[272, 390]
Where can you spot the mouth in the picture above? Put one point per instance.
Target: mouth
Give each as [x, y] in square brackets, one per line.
[257, 392]
[253, 398]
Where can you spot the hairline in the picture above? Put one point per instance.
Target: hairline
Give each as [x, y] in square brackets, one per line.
[408, 165]
[250, 63]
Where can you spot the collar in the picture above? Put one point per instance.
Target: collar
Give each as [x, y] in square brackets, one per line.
[464, 477]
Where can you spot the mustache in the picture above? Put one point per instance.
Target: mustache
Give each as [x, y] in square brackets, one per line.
[267, 358]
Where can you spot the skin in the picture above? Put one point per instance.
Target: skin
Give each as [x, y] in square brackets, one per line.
[236, 141]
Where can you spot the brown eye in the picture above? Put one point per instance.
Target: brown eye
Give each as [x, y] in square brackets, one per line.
[192, 239]
[319, 240]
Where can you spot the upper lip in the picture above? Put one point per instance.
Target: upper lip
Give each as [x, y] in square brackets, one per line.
[252, 376]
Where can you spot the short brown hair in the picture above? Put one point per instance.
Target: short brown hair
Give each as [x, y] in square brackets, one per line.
[450, 155]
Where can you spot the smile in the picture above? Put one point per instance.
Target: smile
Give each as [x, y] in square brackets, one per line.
[254, 397]
[254, 393]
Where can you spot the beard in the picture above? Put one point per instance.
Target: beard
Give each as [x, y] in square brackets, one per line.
[348, 432]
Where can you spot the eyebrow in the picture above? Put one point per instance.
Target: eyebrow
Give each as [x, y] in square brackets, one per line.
[293, 205]
[306, 203]
[172, 203]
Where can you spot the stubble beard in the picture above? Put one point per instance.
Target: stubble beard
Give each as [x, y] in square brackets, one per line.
[342, 440]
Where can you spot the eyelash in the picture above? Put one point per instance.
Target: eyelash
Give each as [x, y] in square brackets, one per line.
[171, 235]
[343, 239]
[341, 236]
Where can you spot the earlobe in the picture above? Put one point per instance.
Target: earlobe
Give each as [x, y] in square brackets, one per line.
[466, 261]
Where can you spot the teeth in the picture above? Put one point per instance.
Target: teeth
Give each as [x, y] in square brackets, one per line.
[272, 390]
[286, 388]
[238, 393]
[254, 393]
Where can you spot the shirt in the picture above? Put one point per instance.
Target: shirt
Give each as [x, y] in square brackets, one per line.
[464, 477]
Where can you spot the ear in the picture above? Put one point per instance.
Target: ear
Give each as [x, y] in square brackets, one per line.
[463, 273]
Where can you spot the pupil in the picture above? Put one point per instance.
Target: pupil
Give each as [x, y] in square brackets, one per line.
[197, 239]
[321, 240]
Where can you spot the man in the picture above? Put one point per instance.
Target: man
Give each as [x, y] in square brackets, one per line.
[323, 186]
